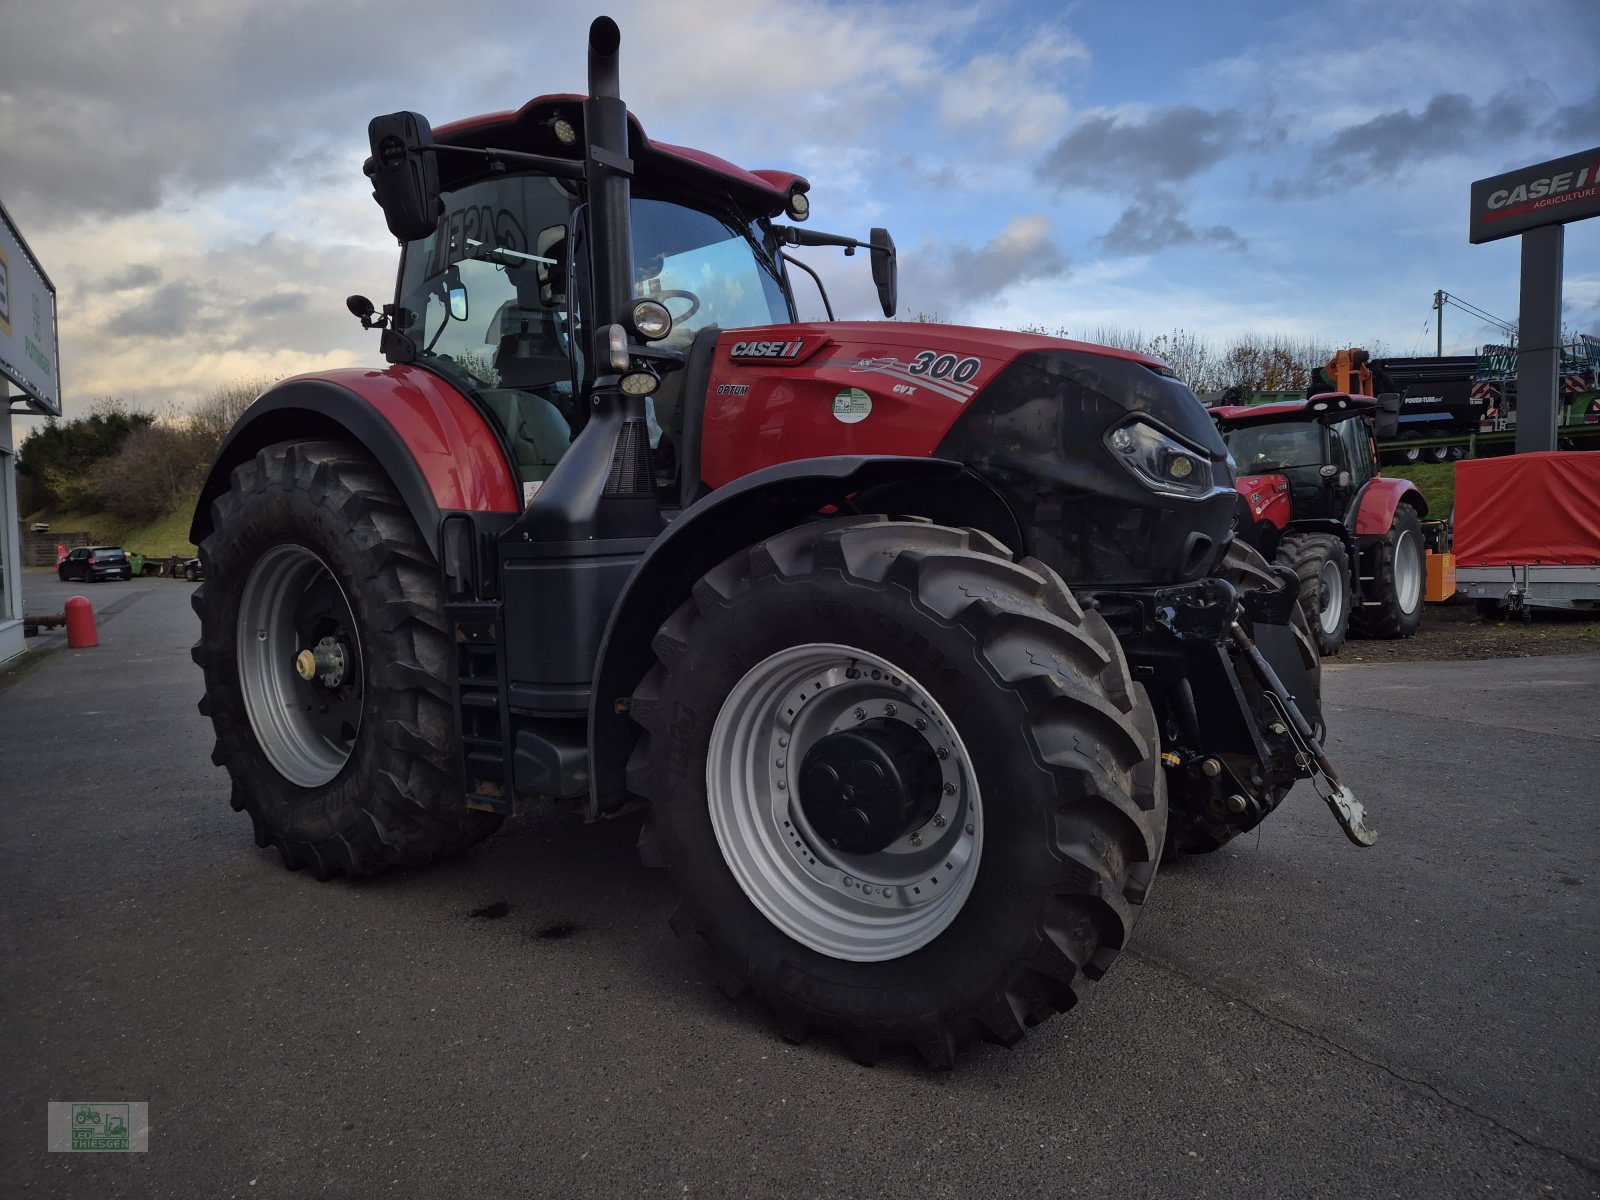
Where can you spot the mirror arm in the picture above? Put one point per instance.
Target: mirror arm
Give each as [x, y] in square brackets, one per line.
[814, 237]
[564, 168]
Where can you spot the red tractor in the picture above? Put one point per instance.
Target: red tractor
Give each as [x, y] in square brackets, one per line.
[1312, 499]
[919, 645]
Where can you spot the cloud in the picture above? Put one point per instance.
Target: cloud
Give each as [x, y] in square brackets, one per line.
[1578, 123]
[1157, 221]
[1451, 122]
[1126, 151]
[133, 277]
[950, 278]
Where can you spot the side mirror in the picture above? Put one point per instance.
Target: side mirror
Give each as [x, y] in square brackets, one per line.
[885, 271]
[1386, 419]
[458, 304]
[405, 174]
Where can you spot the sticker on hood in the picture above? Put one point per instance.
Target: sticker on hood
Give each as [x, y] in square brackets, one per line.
[851, 405]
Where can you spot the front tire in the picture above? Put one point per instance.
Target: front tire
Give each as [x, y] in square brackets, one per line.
[341, 755]
[1030, 812]
[1322, 565]
[1399, 574]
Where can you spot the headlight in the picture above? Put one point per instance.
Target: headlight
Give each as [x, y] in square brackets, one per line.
[1161, 462]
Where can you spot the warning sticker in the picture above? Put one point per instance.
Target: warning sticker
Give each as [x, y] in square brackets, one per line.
[851, 405]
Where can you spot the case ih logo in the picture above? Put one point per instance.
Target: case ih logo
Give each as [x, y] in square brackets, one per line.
[1549, 193]
[767, 349]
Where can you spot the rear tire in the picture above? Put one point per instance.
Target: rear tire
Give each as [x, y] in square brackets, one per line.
[1059, 813]
[1323, 567]
[1399, 576]
[353, 771]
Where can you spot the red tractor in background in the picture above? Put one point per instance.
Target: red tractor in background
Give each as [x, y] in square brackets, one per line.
[921, 646]
[1312, 500]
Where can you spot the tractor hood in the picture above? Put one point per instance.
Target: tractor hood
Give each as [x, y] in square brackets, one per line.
[1039, 417]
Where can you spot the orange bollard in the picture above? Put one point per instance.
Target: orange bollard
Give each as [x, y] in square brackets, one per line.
[81, 633]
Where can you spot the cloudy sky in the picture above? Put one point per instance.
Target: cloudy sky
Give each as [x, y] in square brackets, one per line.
[189, 170]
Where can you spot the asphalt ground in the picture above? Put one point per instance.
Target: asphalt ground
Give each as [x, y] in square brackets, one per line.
[1295, 1017]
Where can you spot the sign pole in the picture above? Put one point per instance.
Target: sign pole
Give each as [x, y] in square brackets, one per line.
[1539, 339]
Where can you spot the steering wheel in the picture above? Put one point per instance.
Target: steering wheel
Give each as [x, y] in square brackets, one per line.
[694, 303]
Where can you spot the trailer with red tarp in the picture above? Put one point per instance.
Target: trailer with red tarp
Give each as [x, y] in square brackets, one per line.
[1527, 531]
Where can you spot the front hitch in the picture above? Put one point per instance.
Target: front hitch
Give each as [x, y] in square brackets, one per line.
[1310, 757]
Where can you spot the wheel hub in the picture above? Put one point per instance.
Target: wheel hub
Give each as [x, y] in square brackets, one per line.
[325, 664]
[863, 788]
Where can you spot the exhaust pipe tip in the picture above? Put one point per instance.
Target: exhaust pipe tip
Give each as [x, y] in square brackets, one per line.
[604, 39]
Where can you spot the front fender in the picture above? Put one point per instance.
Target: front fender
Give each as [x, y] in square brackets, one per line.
[1375, 504]
[746, 511]
[439, 451]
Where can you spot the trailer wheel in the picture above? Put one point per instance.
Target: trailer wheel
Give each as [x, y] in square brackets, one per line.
[1393, 606]
[1323, 566]
[1192, 828]
[906, 786]
[326, 660]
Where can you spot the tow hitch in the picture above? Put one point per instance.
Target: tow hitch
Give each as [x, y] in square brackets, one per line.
[1310, 757]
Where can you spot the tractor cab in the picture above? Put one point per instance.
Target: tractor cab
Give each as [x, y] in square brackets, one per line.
[1322, 449]
[498, 297]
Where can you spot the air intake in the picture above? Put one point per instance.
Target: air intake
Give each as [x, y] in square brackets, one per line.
[632, 472]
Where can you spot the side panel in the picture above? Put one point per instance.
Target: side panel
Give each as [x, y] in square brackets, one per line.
[438, 450]
[1377, 501]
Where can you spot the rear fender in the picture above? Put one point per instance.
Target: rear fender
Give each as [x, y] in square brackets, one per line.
[438, 451]
[746, 511]
[1375, 503]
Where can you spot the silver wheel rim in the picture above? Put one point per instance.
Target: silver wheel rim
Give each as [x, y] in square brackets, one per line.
[859, 907]
[1407, 571]
[290, 602]
[1330, 596]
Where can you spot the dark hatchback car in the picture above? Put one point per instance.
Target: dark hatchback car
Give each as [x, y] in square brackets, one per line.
[94, 563]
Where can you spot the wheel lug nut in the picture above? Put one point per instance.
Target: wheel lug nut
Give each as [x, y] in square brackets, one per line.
[888, 710]
[861, 714]
[949, 789]
[919, 723]
[943, 752]
[938, 821]
[916, 839]
[780, 762]
[783, 741]
[782, 786]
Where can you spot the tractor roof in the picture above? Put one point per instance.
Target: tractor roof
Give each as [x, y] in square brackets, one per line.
[529, 129]
[1325, 406]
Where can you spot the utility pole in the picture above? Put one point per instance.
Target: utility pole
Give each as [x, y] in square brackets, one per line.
[1438, 324]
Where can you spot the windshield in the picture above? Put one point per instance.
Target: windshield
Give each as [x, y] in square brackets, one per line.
[1277, 447]
[707, 270]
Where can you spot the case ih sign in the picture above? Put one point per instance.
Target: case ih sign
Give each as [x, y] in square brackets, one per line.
[1551, 193]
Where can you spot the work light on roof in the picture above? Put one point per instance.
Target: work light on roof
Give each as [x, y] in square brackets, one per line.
[565, 133]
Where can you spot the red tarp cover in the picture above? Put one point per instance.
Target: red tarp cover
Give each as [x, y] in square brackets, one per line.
[1528, 508]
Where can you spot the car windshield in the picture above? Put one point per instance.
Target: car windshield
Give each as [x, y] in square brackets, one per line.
[1282, 446]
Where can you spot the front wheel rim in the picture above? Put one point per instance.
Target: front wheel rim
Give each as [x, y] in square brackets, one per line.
[1330, 596]
[866, 907]
[293, 604]
[1407, 572]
